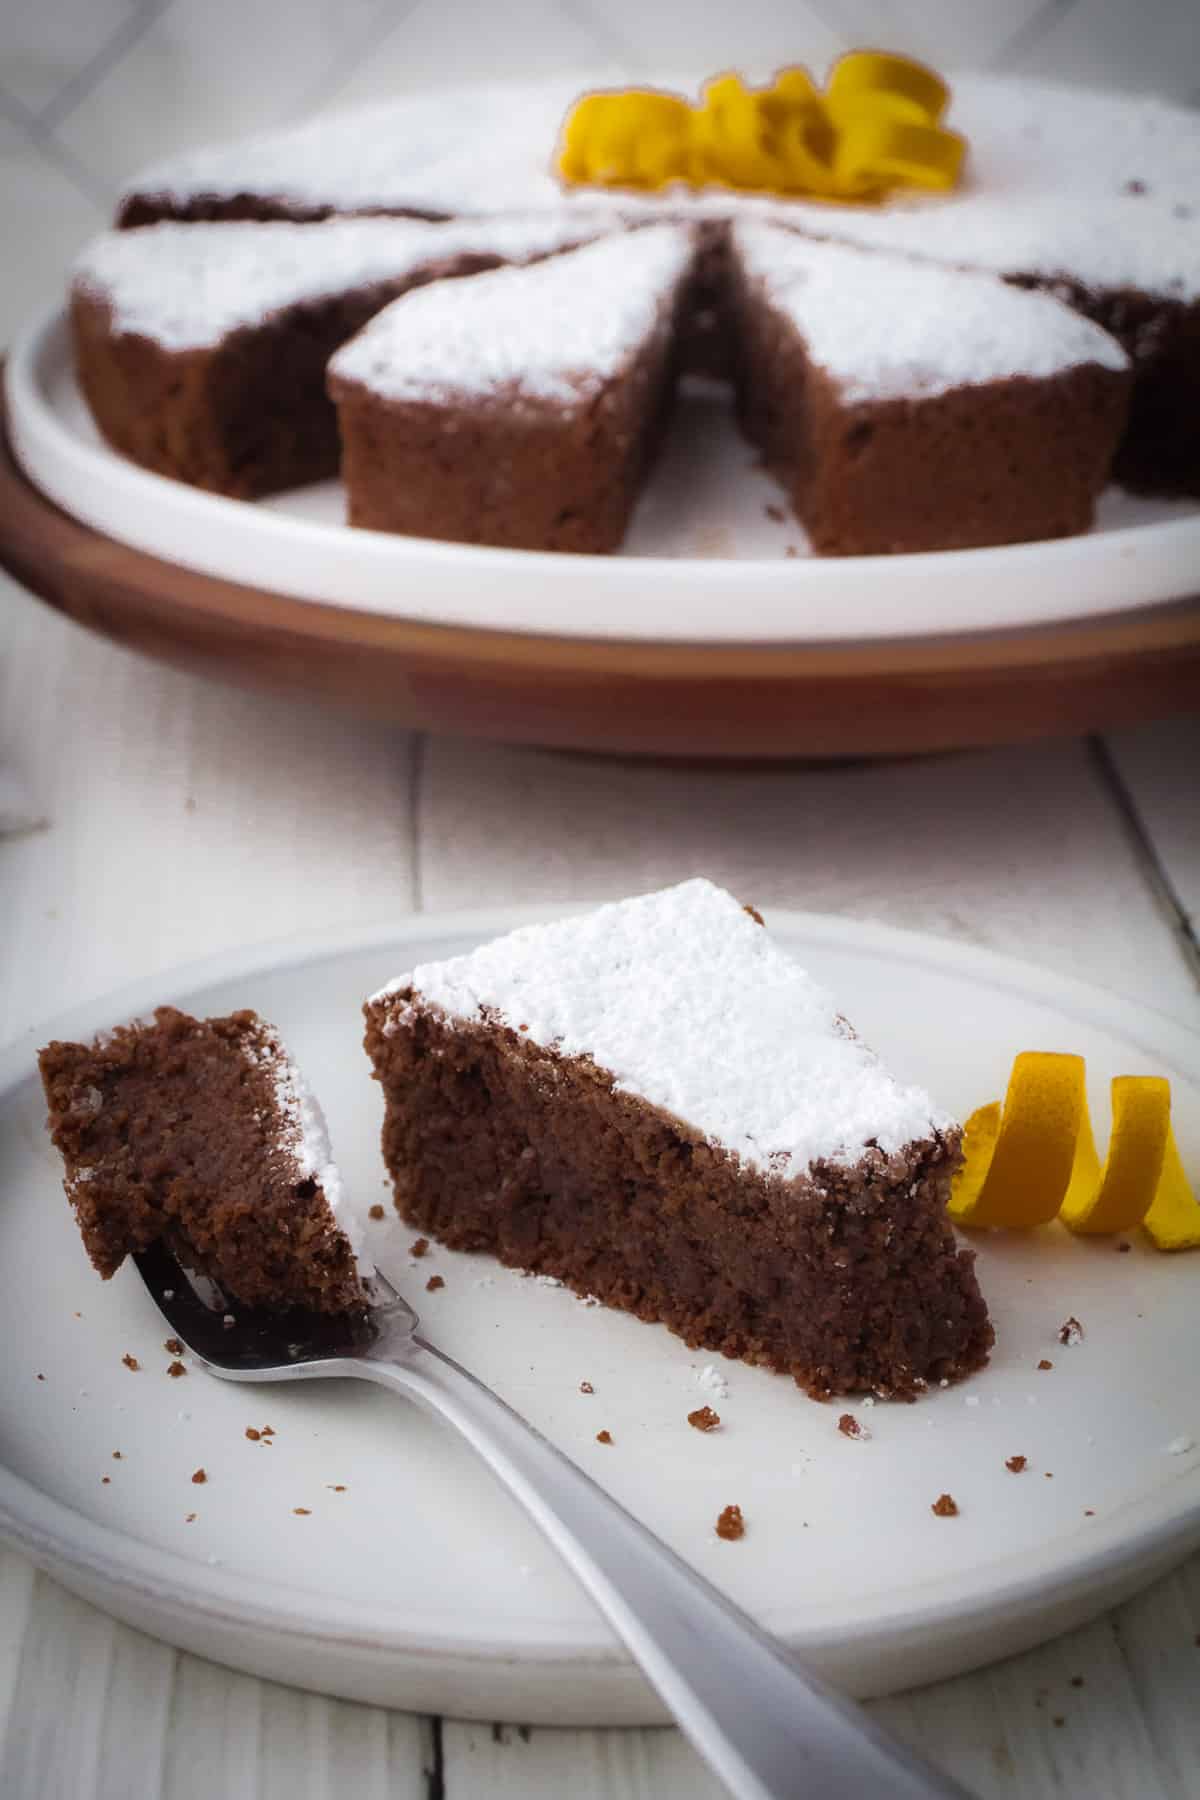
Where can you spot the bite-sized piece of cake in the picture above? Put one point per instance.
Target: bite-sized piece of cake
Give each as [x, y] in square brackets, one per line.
[522, 408]
[202, 348]
[654, 1103]
[906, 406]
[203, 1133]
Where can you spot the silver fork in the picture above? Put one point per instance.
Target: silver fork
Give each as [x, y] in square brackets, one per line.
[764, 1725]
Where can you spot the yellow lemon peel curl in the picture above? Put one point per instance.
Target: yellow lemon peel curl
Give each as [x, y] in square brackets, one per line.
[1035, 1159]
[875, 127]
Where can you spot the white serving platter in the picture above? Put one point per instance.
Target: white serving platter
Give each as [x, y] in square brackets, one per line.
[713, 554]
[420, 1585]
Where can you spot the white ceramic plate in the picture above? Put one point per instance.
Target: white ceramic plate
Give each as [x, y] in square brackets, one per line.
[705, 560]
[421, 1586]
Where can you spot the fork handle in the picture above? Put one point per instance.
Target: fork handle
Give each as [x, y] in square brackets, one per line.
[761, 1722]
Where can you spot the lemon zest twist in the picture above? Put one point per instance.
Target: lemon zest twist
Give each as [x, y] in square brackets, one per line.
[875, 127]
[1034, 1158]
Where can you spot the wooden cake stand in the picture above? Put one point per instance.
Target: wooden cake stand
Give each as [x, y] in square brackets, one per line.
[898, 696]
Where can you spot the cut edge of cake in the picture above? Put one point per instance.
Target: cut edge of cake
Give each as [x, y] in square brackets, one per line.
[204, 1133]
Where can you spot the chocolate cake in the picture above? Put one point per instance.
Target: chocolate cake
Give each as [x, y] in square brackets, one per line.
[202, 1133]
[522, 408]
[908, 406]
[202, 348]
[1090, 195]
[654, 1104]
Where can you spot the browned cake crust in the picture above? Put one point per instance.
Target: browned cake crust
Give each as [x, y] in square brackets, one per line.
[150, 206]
[849, 1280]
[508, 470]
[1160, 450]
[173, 1130]
[996, 463]
[247, 416]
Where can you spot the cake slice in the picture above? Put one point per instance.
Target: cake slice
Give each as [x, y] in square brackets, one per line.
[906, 406]
[654, 1103]
[201, 349]
[202, 1133]
[522, 408]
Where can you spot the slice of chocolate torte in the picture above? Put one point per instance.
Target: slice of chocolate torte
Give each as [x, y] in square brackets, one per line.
[908, 406]
[202, 348]
[654, 1103]
[522, 408]
[203, 1133]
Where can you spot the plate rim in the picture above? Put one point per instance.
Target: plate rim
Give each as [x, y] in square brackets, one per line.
[55, 1536]
[608, 602]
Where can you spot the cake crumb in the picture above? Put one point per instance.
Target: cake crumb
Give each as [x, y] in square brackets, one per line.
[849, 1427]
[1077, 1681]
[254, 1436]
[604, 1437]
[105, 1480]
[130, 1361]
[302, 1512]
[945, 1507]
[433, 1284]
[1016, 1464]
[268, 1431]
[172, 1346]
[1049, 1473]
[116, 1456]
[1124, 1245]
[41, 1378]
[1058, 1719]
[1070, 1331]
[1089, 1512]
[176, 1369]
[375, 1212]
[200, 1476]
[730, 1524]
[419, 1248]
[704, 1418]
[336, 1487]
[585, 1387]
[775, 513]
[190, 1519]
[1045, 1363]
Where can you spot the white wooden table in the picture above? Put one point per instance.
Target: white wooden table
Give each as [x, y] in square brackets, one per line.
[183, 818]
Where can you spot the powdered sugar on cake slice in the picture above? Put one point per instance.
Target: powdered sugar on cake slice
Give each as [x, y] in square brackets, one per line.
[890, 327]
[552, 332]
[304, 1135]
[186, 286]
[691, 1006]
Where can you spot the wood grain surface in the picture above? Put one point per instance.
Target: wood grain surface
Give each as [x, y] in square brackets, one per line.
[661, 700]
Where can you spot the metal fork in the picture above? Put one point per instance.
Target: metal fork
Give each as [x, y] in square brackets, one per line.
[764, 1725]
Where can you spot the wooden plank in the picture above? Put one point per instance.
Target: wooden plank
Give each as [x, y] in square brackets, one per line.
[151, 781]
[1159, 765]
[16, 1602]
[512, 1763]
[1020, 850]
[1158, 1635]
[141, 1676]
[51, 1750]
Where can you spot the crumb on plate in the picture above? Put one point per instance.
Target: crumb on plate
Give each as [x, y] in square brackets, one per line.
[730, 1524]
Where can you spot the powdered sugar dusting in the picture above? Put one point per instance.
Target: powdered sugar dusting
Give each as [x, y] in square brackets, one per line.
[306, 1136]
[187, 286]
[885, 327]
[552, 332]
[692, 1006]
[1047, 188]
